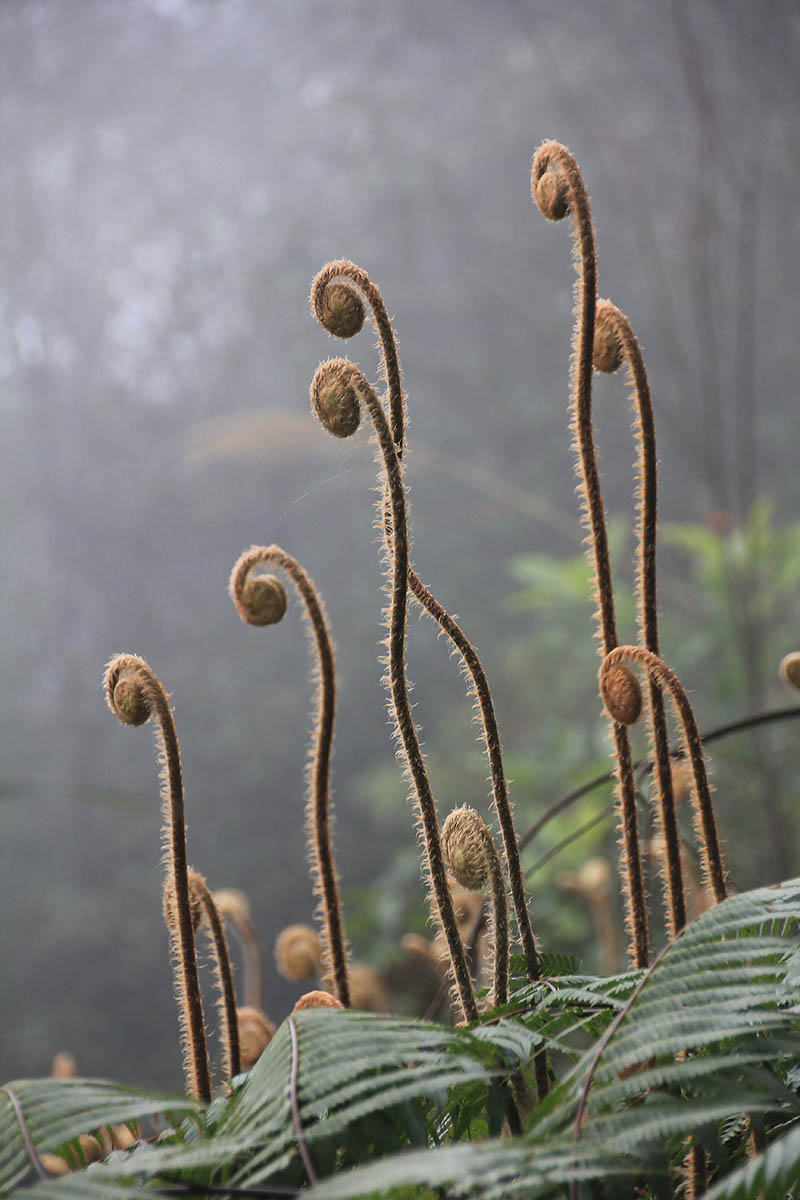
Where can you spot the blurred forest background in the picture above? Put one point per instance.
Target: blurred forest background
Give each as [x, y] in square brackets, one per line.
[174, 172]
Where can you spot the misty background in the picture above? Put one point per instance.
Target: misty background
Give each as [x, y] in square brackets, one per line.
[173, 175]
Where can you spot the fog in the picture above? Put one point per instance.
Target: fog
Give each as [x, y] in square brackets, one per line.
[174, 173]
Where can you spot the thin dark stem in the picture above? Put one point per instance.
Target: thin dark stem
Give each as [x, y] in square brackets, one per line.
[711, 854]
[395, 403]
[134, 693]
[614, 338]
[569, 839]
[558, 189]
[712, 735]
[326, 884]
[494, 751]
[227, 994]
[345, 383]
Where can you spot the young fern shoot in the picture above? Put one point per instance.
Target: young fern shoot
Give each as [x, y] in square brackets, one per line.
[472, 859]
[338, 390]
[209, 918]
[621, 694]
[614, 340]
[261, 600]
[134, 694]
[339, 309]
[234, 907]
[558, 190]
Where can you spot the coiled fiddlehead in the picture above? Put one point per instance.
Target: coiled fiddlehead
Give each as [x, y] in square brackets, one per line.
[134, 694]
[255, 597]
[326, 302]
[614, 340]
[558, 190]
[338, 390]
[667, 680]
[473, 861]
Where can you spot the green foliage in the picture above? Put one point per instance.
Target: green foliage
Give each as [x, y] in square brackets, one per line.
[706, 1037]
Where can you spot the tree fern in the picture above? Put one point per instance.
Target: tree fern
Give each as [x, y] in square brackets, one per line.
[705, 1037]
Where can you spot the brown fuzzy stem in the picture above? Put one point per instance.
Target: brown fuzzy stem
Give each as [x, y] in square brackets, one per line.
[326, 884]
[499, 927]
[558, 189]
[226, 995]
[234, 907]
[666, 679]
[614, 339]
[325, 312]
[337, 385]
[134, 693]
[695, 1167]
[472, 859]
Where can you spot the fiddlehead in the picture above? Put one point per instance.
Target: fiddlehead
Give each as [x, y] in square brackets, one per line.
[338, 307]
[338, 389]
[667, 680]
[256, 1031]
[790, 669]
[254, 595]
[327, 303]
[614, 340]
[134, 694]
[472, 859]
[558, 189]
[298, 953]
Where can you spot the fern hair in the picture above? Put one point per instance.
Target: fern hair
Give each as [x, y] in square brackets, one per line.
[471, 856]
[226, 994]
[243, 585]
[667, 680]
[615, 340]
[338, 387]
[255, 1031]
[298, 953]
[134, 694]
[472, 666]
[558, 189]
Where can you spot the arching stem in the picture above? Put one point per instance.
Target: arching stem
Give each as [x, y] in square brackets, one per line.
[667, 680]
[558, 189]
[323, 867]
[134, 693]
[336, 384]
[614, 338]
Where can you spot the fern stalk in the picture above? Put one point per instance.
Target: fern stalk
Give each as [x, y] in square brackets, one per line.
[558, 189]
[246, 590]
[329, 298]
[337, 391]
[134, 694]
